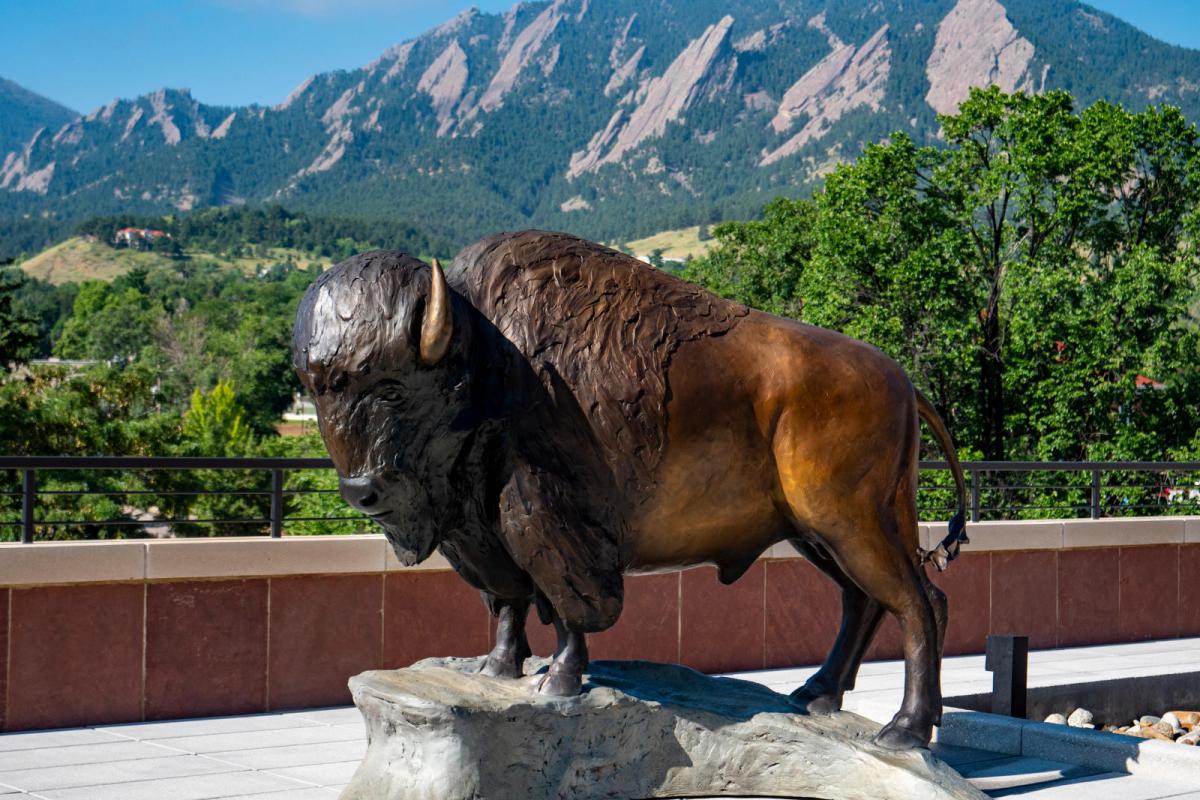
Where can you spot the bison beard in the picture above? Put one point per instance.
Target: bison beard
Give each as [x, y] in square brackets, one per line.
[521, 413]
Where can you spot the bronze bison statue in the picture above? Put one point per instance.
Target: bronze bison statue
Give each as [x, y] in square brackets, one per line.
[552, 415]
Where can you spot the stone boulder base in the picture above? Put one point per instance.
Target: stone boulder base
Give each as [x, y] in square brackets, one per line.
[438, 731]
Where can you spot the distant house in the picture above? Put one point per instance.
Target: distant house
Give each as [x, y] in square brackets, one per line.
[138, 237]
[1149, 384]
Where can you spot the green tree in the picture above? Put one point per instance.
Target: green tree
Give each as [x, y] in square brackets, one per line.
[18, 328]
[760, 262]
[215, 425]
[1033, 275]
[109, 322]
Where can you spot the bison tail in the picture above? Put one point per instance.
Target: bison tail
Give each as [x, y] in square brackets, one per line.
[947, 549]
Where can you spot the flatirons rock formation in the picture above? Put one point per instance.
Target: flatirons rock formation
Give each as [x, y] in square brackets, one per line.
[438, 731]
[610, 118]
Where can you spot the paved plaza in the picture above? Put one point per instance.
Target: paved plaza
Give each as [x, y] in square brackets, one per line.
[304, 755]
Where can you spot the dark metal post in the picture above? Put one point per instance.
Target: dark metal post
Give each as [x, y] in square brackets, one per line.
[1008, 660]
[276, 503]
[28, 498]
[1095, 504]
[974, 495]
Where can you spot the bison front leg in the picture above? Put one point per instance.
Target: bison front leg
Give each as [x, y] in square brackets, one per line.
[564, 678]
[507, 659]
[555, 535]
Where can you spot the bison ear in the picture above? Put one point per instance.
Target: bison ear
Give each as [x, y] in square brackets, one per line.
[438, 325]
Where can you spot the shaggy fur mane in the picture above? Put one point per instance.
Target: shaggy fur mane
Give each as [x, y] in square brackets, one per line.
[604, 321]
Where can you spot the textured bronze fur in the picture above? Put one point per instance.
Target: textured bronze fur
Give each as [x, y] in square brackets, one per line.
[605, 324]
[592, 417]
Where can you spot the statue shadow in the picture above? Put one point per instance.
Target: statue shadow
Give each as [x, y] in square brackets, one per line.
[684, 688]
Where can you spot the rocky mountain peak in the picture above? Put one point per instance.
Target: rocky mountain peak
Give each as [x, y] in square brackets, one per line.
[976, 45]
[609, 118]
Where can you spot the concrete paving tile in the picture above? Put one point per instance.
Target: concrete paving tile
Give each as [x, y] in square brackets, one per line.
[207, 725]
[314, 793]
[81, 754]
[295, 755]
[1167, 661]
[326, 716]
[321, 774]
[1129, 672]
[55, 738]
[205, 787]
[956, 662]
[880, 667]
[869, 683]
[1021, 771]
[255, 740]
[142, 769]
[1102, 786]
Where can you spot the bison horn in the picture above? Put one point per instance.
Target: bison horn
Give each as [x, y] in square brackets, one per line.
[438, 325]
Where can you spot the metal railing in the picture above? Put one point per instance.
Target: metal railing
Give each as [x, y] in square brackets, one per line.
[997, 490]
[276, 491]
[1043, 489]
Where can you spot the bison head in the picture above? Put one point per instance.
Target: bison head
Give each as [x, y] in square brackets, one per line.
[375, 343]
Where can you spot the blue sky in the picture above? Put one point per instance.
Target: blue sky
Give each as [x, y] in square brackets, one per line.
[83, 53]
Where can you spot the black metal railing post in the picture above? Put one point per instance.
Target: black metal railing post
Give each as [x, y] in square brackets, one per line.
[974, 495]
[28, 498]
[1095, 500]
[276, 503]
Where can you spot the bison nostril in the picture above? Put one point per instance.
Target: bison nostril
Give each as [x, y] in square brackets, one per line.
[360, 493]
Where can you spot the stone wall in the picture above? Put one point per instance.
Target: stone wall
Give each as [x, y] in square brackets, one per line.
[123, 631]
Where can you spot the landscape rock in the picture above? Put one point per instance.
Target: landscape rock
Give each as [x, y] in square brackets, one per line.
[1192, 738]
[1148, 720]
[439, 731]
[1056, 719]
[1151, 732]
[1164, 728]
[1188, 719]
[1080, 718]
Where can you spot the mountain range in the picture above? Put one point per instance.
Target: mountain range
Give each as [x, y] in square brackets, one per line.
[610, 118]
[23, 113]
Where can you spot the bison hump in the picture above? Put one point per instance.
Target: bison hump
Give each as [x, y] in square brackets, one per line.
[604, 321]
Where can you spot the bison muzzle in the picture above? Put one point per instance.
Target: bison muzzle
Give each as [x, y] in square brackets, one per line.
[551, 415]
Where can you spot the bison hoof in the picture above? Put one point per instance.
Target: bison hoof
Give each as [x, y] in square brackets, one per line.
[560, 684]
[897, 735]
[504, 664]
[816, 700]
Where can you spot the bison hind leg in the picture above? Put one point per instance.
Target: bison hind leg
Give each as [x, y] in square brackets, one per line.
[507, 659]
[861, 615]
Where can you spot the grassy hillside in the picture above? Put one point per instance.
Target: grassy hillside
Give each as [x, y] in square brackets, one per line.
[78, 259]
[676, 245]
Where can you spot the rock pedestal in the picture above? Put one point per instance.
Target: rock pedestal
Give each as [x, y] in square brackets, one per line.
[438, 731]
